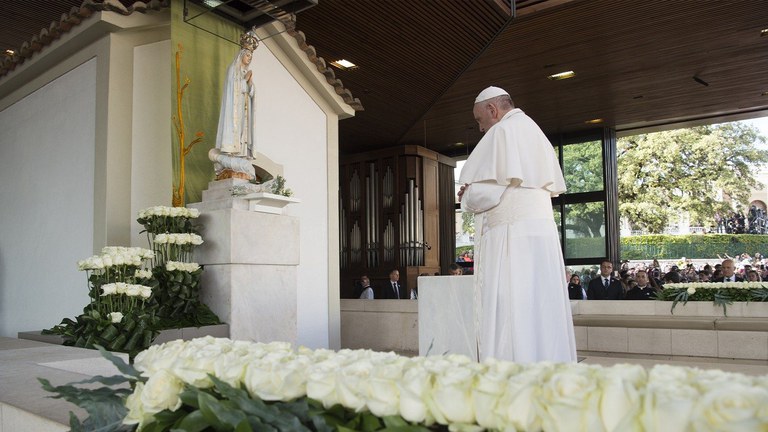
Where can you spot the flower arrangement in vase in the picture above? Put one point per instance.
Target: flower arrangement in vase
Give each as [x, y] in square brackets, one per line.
[119, 315]
[129, 304]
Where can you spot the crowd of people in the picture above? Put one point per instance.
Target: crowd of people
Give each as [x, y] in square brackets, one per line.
[754, 222]
[642, 281]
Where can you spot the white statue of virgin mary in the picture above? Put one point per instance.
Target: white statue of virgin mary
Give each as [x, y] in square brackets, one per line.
[235, 138]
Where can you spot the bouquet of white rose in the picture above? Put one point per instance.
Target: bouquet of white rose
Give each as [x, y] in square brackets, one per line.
[173, 237]
[220, 384]
[119, 315]
[720, 293]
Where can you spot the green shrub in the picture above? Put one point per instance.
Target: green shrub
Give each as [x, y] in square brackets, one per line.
[663, 246]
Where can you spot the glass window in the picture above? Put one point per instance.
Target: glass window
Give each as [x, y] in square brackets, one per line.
[558, 221]
[583, 167]
[585, 230]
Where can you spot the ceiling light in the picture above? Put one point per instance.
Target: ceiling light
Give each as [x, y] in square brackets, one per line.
[594, 121]
[764, 32]
[562, 75]
[765, 93]
[458, 144]
[10, 52]
[343, 64]
[213, 3]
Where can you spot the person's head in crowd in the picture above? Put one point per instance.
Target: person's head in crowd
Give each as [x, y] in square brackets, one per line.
[729, 268]
[631, 283]
[394, 275]
[718, 266]
[606, 267]
[753, 276]
[704, 276]
[656, 263]
[575, 280]
[747, 268]
[364, 281]
[672, 277]
[717, 274]
[641, 277]
[707, 268]
[455, 270]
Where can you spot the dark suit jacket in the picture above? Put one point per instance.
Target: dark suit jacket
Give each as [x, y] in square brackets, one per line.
[574, 292]
[596, 290]
[637, 293]
[720, 279]
[389, 293]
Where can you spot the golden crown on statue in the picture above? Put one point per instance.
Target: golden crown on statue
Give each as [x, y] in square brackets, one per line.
[249, 41]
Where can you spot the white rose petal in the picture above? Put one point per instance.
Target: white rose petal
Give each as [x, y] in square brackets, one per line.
[733, 407]
[161, 392]
[116, 317]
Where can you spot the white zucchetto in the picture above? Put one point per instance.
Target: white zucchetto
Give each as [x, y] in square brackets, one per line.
[489, 93]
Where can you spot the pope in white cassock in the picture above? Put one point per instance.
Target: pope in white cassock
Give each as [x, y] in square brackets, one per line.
[509, 179]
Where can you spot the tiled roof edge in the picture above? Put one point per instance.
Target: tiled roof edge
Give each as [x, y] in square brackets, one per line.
[322, 67]
[76, 15]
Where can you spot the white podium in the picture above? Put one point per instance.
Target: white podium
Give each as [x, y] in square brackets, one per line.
[446, 315]
[250, 258]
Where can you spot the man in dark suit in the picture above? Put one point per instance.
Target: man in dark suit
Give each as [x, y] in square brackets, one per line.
[643, 290]
[605, 287]
[729, 272]
[393, 289]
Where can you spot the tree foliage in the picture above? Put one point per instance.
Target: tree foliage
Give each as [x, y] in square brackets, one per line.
[687, 170]
[583, 172]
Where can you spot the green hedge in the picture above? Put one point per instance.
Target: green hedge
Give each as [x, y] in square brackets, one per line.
[663, 246]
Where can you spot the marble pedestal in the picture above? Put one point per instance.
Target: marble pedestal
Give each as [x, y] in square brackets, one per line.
[250, 259]
[446, 315]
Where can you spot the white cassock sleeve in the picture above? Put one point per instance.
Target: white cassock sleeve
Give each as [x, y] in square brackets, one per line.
[481, 196]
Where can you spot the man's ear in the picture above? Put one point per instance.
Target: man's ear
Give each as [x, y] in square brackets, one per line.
[493, 110]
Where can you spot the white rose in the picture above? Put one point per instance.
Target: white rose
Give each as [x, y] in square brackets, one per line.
[145, 292]
[383, 398]
[107, 260]
[193, 212]
[136, 414]
[161, 392]
[569, 397]
[321, 382]
[691, 291]
[452, 394]
[170, 265]
[121, 287]
[277, 376]
[176, 211]
[132, 290]
[668, 406]
[522, 393]
[193, 267]
[173, 238]
[161, 238]
[351, 383]
[620, 402]
[733, 407]
[490, 386]
[118, 259]
[712, 379]
[158, 357]
[108, 289]
[416, 394]
[197, 240]
[116, 317]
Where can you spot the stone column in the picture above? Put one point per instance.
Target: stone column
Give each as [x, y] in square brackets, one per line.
[250, 254]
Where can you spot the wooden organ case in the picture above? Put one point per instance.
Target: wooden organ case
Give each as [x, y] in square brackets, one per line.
[397, 211]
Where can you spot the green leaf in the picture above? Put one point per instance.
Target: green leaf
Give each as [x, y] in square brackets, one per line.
[219, 414]
[192, 422]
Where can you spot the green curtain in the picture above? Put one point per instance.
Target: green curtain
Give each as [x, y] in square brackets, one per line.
[203, 63]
